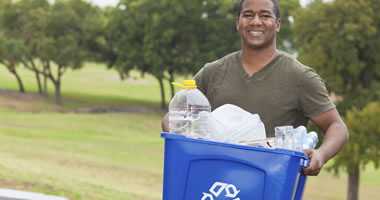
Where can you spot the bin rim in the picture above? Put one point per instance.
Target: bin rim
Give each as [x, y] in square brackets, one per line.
[168, 135]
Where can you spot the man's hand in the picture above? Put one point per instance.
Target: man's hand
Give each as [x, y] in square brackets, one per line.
[335, 136]
[316, 162]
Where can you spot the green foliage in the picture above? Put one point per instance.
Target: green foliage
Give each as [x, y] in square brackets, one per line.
[341, 43]
[177, 41]
[70, 26]
[364, 146]
[51, 37]
[10, 51]
[286, 35]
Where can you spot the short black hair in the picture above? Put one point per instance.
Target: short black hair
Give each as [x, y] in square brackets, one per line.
[276, 8]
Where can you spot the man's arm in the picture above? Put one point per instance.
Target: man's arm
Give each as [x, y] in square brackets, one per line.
[165, 123]
[335, 136]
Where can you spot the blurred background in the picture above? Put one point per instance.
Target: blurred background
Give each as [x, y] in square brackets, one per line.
[84, 84]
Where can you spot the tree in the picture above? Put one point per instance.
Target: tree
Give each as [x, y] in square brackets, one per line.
[51, 38]
[332, 39]
[342, 44]
[165, 43]
[66, 41]
[23, 21]
[182, 38]
[10, 50]
[364, 126]
[135, 26]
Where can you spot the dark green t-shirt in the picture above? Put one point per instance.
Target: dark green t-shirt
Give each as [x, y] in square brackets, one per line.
[284, 92]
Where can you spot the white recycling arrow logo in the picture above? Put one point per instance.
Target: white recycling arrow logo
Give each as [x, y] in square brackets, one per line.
[230, 191]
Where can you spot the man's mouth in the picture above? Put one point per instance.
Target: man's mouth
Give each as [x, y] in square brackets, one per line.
[256, 33]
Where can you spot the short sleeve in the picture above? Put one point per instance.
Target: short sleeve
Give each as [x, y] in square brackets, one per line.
[314, 98]
[201, 78]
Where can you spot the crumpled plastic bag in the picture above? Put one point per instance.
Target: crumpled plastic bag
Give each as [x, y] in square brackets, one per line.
[232, 124]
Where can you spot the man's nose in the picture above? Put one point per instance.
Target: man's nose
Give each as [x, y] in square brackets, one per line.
[256, 20]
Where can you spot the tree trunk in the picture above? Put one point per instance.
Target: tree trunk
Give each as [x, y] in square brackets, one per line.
[45, 83]
[353, 183]
[57, 92]
[38, 79]
[171, 80]
[21, 87]
[162, 90]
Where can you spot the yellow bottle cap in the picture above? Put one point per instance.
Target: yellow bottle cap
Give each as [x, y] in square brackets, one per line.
[186, 84]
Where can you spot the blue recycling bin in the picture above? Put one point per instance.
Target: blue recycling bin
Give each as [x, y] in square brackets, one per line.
[196, 169]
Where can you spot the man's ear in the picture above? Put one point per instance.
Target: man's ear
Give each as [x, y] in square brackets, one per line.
[278, 25]
[237, 24]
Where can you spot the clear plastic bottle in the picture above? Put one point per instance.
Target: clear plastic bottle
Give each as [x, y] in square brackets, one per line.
[310, 141]
[189, 110]
[283, 137]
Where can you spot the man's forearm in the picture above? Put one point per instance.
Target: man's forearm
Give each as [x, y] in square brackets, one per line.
[334, 139]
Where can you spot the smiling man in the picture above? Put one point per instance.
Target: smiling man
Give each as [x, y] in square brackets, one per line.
[261, 79]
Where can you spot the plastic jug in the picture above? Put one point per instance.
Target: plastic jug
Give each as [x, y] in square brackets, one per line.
[189, 110]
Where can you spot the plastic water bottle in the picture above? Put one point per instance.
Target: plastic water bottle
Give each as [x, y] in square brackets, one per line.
[189, 111]
[283, 137]
[310, 140]
[299, 135]
[296, 139]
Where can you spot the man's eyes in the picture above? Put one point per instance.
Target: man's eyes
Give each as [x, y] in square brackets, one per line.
[261, 16]
[266, 16]
[248, 15]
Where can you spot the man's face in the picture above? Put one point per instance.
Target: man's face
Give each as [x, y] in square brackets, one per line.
[257, 24]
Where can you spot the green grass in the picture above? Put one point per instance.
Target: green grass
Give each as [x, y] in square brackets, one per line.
[105, 156]
[83, 155]
[111, 156]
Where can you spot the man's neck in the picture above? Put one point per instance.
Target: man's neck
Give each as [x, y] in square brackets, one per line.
[253, 60]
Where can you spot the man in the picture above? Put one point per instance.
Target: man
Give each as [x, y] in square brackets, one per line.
[263, 80]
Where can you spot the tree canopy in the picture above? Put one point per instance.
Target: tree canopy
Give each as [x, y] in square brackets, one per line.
[48, 38]
[341, 43]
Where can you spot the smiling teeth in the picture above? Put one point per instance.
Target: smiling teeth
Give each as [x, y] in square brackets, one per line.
[256, 33]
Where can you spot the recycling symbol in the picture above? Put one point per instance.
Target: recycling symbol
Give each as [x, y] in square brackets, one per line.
[230, 191]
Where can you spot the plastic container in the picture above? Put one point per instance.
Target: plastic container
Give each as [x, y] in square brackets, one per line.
[189, 110]
[196, 169]
[286, 137]
[310, 140]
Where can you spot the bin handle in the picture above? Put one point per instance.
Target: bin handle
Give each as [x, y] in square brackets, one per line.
[305, 162]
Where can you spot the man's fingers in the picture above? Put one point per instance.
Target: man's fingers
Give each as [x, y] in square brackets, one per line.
[308, 152]
[313, 173]
[312, 169]
[315, 164]
[309, 171]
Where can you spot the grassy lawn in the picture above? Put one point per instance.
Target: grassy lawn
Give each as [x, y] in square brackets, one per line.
[83, 156]
[109, 156]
